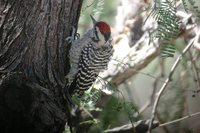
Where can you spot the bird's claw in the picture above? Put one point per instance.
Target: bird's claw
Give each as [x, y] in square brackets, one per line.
[73, 37]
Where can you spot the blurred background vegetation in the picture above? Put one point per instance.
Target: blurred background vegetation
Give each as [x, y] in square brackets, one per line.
[101, 9]
[128, 103]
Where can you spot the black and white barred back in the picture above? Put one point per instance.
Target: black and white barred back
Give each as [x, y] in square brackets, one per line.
[91, 62]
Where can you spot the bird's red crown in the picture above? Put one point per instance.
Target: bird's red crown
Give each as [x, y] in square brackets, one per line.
[103, 27]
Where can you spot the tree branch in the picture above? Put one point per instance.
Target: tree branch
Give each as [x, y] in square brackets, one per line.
[167, 81]
[180, 119]
[138, 127]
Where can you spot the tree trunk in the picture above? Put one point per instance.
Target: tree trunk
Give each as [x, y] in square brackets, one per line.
[33, 64]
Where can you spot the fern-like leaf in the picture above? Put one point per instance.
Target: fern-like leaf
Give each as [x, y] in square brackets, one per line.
[168, 26]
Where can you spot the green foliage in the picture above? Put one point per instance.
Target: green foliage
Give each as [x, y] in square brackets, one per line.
[89, 7]
[167, 50]
[104, 10]
[164, 12]
[91, 96]
[129, 108]
[92, 7]
[116, 109]
[191, 5]
[184, 2]
[168, 26]
[111, 113]
[98, 7]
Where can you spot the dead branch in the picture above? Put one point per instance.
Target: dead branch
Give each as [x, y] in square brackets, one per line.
[139, 127]
[167, 81]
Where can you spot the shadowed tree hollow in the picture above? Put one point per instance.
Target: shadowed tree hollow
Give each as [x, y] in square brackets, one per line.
[33, 63]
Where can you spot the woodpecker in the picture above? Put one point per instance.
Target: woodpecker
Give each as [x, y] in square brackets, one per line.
[88, 56]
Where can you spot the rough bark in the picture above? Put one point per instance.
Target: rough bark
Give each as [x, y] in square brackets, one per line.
[33, 63]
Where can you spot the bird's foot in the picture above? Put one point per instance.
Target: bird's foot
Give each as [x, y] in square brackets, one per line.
[73, 37]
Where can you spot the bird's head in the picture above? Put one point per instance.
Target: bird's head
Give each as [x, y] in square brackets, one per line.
[101, 29]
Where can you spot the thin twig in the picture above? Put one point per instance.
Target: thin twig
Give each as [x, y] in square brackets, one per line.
[167, 81]
[89, 114]
[135, 70]
[165, 129]
[151, 98]
[88, 6]
[154, 7]
[196, 72]
[180, 119]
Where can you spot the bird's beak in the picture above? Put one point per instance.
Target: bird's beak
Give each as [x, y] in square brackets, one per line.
[93, 20]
